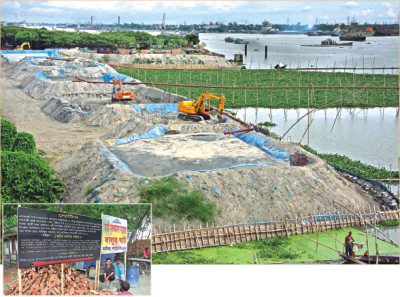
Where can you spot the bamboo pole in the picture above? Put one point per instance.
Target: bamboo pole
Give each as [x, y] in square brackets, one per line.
[62, 279]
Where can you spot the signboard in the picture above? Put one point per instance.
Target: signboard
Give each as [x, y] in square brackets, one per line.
[114, 235]
[48, 237]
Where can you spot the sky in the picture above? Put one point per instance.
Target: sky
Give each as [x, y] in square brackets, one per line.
[178, 12]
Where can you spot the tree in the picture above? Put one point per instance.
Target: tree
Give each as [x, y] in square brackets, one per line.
[8, 133]
[25, 142]
[28, 178]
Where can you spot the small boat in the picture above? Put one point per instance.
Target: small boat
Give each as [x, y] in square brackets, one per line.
[240, 41]
[229, 39]
[330, 42]
[384, 259]
[353, 37]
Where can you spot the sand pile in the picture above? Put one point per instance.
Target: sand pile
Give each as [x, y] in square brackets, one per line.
[63, 111]
[47, 281]
[162, 59]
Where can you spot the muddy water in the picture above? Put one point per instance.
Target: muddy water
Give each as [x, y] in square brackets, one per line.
[392, 232]
[287, 49]
[368, 135]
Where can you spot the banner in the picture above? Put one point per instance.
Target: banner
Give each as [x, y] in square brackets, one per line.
[114, 235]
[49, 237]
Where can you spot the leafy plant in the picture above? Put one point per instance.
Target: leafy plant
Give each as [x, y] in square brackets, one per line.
[170, 198]
[344, 162]
[28, 178]
[8, 133]
[25, 142]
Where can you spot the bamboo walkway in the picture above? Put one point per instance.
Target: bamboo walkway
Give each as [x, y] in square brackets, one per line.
[228, 235]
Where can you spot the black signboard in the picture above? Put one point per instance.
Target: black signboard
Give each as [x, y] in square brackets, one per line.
[48, 237]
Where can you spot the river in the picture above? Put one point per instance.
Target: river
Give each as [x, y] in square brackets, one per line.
[367, 135]
[375, 51]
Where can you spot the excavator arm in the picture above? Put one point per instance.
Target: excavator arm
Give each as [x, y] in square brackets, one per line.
[200, 109]
[119, 93]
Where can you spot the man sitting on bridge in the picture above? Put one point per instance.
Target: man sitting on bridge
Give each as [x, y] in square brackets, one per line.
[348, 243]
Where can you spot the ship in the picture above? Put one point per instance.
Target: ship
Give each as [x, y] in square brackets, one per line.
[240, 41]
[229, 39]
[352, 37]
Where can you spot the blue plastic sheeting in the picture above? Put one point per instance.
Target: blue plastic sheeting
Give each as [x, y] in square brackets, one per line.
[137, 108]
[95, 64]
[32, 63]
[109, 76]
[55, 73]
[156, 131]
[113, 159]
[41, 75]
[71, 67]
[163, 108]
[31, 54]
[263, 143]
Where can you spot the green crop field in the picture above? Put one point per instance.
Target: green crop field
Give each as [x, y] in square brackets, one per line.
[296, 249]
[282, 98]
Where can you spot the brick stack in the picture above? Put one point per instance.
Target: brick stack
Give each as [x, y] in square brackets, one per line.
[47, 281]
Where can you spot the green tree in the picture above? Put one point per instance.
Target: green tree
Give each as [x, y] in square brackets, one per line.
[8, 134]
[28, 178]
[25, 142]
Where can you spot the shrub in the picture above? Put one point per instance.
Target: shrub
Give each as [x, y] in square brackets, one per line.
[8, 133]
[25, 142]
[170, 198]
[28, 178]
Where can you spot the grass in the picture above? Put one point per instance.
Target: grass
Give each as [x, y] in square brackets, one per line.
[365, 170]
[389, 223]
[172, 199]
[296, 249]
[293, 98]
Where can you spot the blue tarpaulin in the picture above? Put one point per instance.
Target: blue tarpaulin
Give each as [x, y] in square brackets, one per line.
[163, 108]
[41, 75]
[263, 143]
[17, 55]
[109, 76]
[154, 132]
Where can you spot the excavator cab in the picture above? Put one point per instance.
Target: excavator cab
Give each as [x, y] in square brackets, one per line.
[119, 93]
[201, 108]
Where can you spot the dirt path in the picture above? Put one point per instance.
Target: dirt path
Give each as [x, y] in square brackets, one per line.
[55, 138]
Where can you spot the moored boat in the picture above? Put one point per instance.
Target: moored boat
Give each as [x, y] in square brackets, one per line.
[353, 37]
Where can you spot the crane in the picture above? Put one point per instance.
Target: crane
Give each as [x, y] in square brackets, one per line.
[119, 93]
[200, 109]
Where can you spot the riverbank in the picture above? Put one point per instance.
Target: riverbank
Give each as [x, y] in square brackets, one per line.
[277, 98]
[295, 249]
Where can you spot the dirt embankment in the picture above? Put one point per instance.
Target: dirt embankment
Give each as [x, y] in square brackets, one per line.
[159, 59]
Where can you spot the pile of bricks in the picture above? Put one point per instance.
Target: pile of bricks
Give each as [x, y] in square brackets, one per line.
[47, 281]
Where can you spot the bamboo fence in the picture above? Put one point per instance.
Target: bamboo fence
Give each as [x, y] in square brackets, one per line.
[238, 233]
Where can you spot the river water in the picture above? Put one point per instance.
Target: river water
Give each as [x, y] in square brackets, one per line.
[367, 135]
[376, 51]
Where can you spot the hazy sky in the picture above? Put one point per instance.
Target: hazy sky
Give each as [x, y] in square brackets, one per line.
[146, 11]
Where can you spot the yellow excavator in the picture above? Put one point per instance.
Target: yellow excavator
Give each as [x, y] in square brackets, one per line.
[200, 109]
[22, 46]
[119, 93]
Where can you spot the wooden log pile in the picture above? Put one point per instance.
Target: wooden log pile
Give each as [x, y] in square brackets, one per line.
[47, 281]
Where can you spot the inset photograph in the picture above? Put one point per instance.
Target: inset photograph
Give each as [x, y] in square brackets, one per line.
[77, 249]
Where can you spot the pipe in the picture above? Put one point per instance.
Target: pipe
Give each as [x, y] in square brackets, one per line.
[238, 131]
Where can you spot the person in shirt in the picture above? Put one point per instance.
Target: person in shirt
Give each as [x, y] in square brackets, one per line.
[124, 288]
[146, 253]
[119, 270]
[109, 272]
[348, 243]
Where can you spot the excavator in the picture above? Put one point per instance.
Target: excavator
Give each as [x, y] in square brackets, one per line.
[21, 47]
[200, 109]
[119, 93]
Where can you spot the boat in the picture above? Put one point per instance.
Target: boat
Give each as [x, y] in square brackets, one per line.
[384, 259]
[331, 42]
[353, 37]
[229, 39]
[240, 41]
